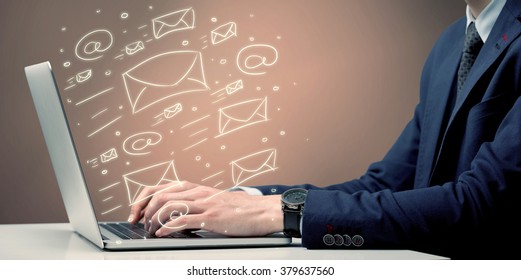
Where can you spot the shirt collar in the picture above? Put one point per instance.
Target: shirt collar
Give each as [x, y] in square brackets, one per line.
[487, 18]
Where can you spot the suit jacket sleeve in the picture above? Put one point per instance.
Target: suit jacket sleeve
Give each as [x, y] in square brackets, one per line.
[395, 172]
[386, 209]
[387, 218]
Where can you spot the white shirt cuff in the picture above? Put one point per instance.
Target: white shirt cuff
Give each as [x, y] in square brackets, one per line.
[248, 190]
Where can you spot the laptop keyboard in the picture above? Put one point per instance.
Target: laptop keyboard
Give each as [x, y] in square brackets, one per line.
[126, 231]
[137, 231]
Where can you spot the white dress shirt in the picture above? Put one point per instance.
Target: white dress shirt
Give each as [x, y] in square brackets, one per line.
[486, 19]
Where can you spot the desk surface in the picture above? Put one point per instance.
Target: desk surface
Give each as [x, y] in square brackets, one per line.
[58, 241]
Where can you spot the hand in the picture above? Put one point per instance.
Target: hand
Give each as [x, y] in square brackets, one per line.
[184, 205]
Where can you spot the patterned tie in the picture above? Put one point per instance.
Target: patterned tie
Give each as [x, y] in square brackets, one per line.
[471, 50]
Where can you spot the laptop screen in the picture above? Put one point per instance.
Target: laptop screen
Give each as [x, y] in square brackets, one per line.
[170, 96]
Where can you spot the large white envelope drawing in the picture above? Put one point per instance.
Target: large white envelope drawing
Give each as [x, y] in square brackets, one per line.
[163, 76]
[241, 115]
[253, 165]
[173, 22]
[159, 174]
[135, 47]
[223, 33]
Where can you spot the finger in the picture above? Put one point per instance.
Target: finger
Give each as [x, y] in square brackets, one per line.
[156, 203]
[170, 212]
[143, 199]
[137, 211]
[161, 199]
[181, 223]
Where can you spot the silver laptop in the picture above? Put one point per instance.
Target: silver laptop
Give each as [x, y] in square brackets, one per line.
[75, 192]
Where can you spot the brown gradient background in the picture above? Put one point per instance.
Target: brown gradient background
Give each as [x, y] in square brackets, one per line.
[348, 73]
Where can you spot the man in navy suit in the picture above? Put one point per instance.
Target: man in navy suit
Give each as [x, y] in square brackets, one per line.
[448, 185]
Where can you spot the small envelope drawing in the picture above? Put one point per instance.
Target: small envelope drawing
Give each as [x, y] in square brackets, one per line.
[164, 76]
[253, 165]
[135, 47]
[241, 115]
[159, 174]
[109, 155]
[173, 22]
[231, 88]
[83, 76]
[223, 33]
[173, 111]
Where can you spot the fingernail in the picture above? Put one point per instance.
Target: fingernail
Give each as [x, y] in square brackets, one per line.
[130, 219]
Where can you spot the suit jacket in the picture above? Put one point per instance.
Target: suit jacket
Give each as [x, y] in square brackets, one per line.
[451, 183]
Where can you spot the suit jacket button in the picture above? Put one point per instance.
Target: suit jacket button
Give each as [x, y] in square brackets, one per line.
[357, 240]
[347, 240]
[328, 239]
[339, 240]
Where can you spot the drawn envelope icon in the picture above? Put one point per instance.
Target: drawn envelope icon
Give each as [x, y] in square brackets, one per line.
[173, 22]
[164, 76]
[253, 165]
[234, 87]
[109, 155]
[159, 174]
[173, 111]
[223, 33]
[135, 47]
[83, 76]
[241, 115]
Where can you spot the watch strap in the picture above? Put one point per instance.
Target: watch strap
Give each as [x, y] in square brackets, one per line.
[292, 223]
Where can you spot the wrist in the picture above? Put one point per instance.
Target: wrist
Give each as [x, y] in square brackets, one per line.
[273, 217]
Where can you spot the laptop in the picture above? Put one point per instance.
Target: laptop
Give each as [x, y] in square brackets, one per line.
[75, 192]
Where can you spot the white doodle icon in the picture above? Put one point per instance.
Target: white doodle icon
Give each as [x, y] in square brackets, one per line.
[168, 113]
[171, 212]
[109, 155]
[136, 144]
[223, 33]
[173, 22]
[231, 88]
[253, 57]
[173, 111]
[179, 72]
[253, 165]
[134, 48]
[241, 115]
[104, 127]
[93, 162]
[93, 44]
[155, 175]
[84, 76]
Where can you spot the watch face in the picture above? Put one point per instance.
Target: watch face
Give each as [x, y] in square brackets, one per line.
[295, 196]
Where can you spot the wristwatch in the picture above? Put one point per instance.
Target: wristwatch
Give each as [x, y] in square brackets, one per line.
[292, 208]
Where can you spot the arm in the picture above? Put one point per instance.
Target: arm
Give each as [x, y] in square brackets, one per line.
[396, 171]
[442, 215]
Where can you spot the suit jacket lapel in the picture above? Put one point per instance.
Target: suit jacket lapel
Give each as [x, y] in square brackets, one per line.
[506, 29]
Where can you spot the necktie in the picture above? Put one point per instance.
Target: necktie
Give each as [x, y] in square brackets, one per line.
[471, 50]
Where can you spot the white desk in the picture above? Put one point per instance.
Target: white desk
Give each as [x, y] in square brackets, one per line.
[58, 241]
